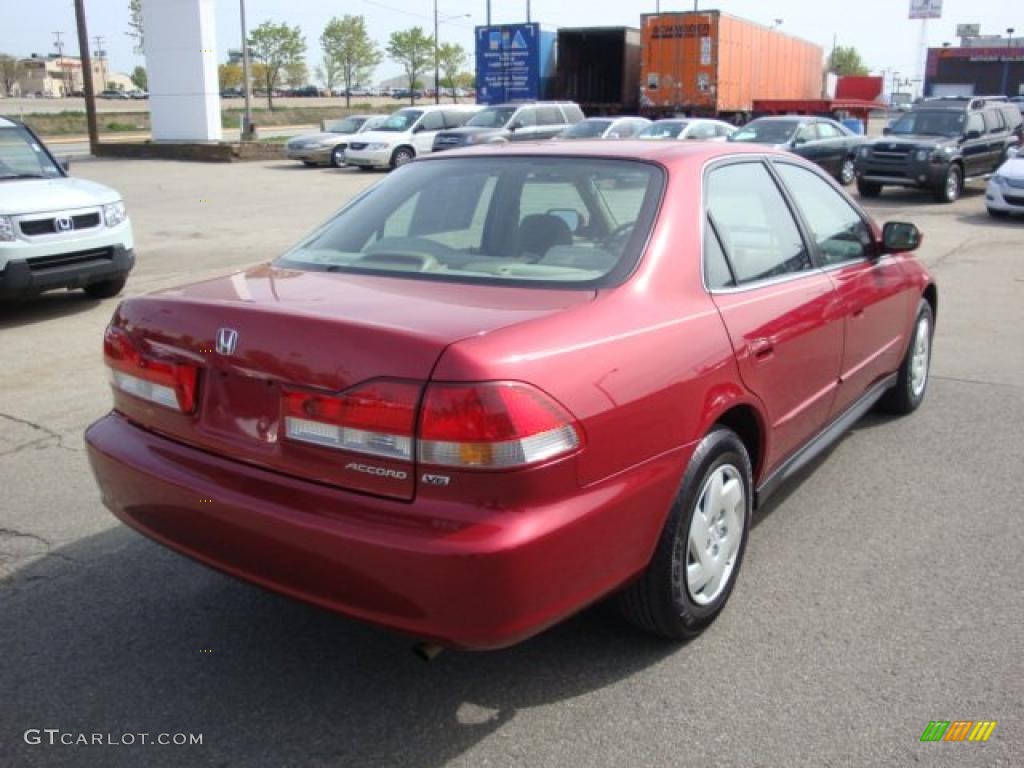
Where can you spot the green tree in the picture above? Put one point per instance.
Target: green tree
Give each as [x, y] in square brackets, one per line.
[229, 76]
[465, 80]
[140, 78]
[845, 60]
[135, 24]
[349, 52]
[451, 58]
[276, 46]
[414, 50]
[296, 73]
[11, 71]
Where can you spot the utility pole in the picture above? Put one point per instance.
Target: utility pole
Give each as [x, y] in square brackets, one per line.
[90, 93]
[101, 55]
[59, 45]
[527, 11]
[247, 119]
[488, 13]
[437, 62]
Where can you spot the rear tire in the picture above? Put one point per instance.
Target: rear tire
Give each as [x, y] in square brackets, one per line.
[703, 541]
[107, 289]
[912, 380]
[951, 187]
[868, 189]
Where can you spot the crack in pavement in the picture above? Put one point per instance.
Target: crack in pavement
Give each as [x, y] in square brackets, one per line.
[48, 433]
[981, 382]
[10, 560]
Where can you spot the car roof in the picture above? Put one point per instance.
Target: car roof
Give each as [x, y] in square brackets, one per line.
[784, 118]
[665, 152]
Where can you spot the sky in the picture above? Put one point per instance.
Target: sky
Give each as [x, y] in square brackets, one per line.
[879, 29]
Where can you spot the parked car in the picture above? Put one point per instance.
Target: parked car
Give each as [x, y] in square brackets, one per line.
[502, 123]
[940, 145]
[138, 94]
[305, 91]
[696, 128]
[604, 128]
[1005, 193]
[112, 93]
[328, 147]
[451, 411]
[405, 134]
[233, 93]
[55, 231]
[818, 139]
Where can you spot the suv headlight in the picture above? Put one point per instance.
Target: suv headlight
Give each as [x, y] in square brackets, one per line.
[377, 146]
[998, 180]
[923, 154]
[114, 213]
[865, 151]
[6, 229]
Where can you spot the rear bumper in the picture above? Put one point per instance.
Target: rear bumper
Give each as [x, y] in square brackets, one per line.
[409, 567]
[28, 277]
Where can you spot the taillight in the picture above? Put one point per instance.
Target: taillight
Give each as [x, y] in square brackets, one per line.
[167, 383]
[377, 418]
[493, 425]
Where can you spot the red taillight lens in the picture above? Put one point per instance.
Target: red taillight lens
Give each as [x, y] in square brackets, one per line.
[376, 418]
[493, 425]
[167, 383]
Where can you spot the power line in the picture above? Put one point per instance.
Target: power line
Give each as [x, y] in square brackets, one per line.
[417, 15]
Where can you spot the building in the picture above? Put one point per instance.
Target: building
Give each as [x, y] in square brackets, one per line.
[53, 75]
[982, 65]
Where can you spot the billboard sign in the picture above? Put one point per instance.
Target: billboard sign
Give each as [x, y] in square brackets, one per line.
[508, 63]
[968, 30]
[926, 9]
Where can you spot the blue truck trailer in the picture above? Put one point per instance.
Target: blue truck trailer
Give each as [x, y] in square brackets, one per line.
[514, 62]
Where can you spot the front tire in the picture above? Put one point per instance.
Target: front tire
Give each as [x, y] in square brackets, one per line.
[868, 188]
[402, 156]
[337, 157]
[912, 381]
[106, 289]
[952, 186]
[848, 172]
[698, 556]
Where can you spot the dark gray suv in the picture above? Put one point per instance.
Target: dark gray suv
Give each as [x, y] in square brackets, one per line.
[512, 122]
[940, 145]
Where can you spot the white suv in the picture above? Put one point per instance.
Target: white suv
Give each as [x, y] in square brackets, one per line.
[56, 231]
[405, 134]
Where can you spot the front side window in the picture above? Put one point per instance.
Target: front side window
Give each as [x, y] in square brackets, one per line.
[766, 132]
[975, 122]
[755, 226]
[492, 117]
[21, 156]
[829, 131]
[400, 121]
[663, 129]
[994, 121]
[929, 123]
[558, 221]
[839, 231]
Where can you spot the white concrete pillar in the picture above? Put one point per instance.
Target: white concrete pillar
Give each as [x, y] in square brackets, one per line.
[181, 62]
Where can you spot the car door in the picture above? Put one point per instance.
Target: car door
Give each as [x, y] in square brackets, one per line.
[806, 144]
[779, 309]
[874, 297]
[975, 145]
[834, 146]
[423, 134]
[995, 134]
[550, 122]
[524, 125]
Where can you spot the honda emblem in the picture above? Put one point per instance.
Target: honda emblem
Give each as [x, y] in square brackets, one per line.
[64, 223]
[227, 341]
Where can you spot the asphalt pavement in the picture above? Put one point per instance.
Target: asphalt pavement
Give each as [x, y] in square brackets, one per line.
[882, 589]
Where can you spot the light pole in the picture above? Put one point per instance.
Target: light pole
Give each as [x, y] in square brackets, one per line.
[1006, 63]
[247, 119]
[437, 58]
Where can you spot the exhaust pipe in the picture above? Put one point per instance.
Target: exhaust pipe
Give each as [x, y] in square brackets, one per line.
[427, 651]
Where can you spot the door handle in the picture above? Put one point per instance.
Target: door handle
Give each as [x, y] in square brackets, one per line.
[761, 349]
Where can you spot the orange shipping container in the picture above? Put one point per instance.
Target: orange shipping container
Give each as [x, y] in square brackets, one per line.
[708, 62]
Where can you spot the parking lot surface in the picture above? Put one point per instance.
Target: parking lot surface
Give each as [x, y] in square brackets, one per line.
[881, 590]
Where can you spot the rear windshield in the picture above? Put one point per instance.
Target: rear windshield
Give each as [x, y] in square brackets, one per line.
[766, 132]
[556, 221]
[587, 129]
[400, 121]
[349, 125]
[663, 129]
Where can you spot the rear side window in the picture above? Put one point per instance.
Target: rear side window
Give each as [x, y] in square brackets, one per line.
[526, 118]
[1013, 117]
[549, 116]
[454, 119]
[839, 231]
[757, 230]
[573, 114]
[827, 131]
[432, 121]
[994, 121]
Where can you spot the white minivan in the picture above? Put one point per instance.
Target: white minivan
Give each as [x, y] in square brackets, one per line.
[405, 134]
[55, 231]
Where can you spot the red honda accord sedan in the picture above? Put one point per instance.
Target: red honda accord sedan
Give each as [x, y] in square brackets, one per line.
[507, 382]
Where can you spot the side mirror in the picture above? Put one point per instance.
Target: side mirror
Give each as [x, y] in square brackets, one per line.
[65, 163]
[417, 128]
[972, 135]
[900, 237]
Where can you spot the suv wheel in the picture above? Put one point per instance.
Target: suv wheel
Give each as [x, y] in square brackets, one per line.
[868, 188]
[337, 157]
[107, 289]
[697, 560]
[848, 172]
[402, 156]
[952, 186]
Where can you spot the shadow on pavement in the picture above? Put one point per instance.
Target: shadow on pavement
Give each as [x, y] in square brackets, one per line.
[46, 307]
[110, 634]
